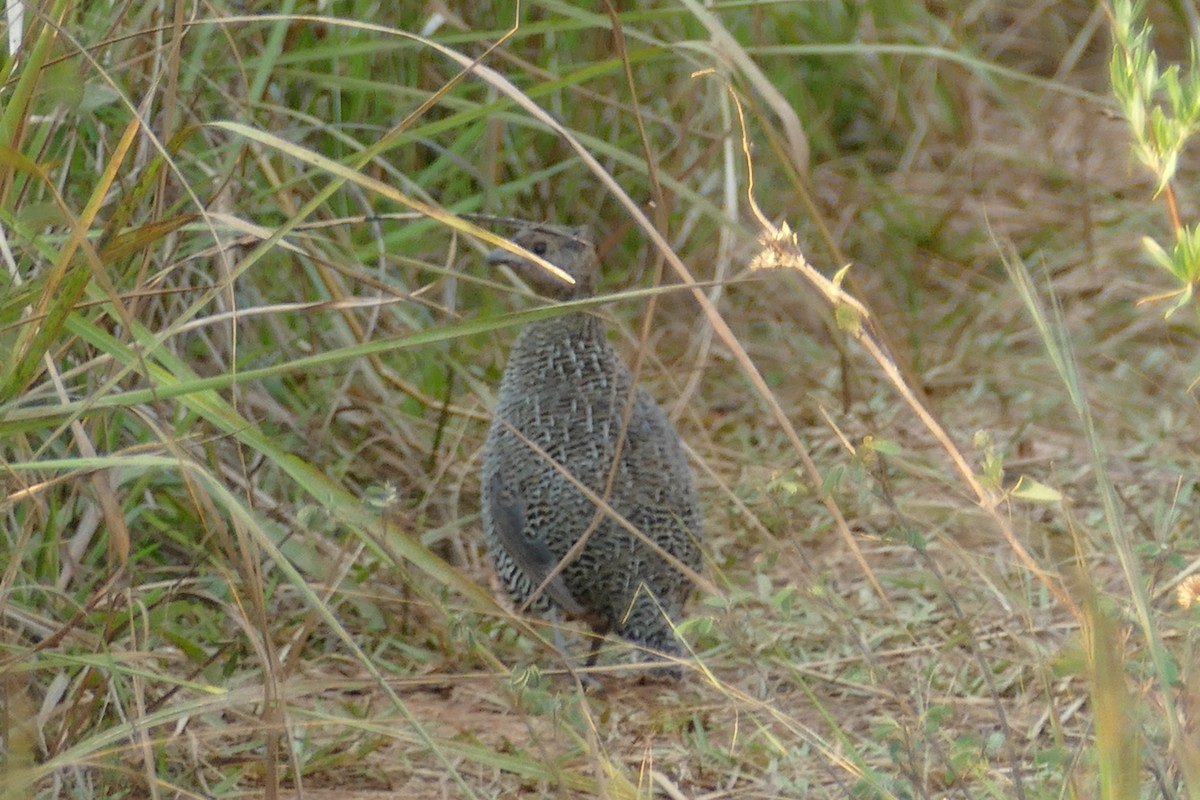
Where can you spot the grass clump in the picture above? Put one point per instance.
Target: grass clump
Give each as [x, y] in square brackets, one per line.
[248, 356]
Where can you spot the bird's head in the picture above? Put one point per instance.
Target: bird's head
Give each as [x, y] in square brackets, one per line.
[569, 249]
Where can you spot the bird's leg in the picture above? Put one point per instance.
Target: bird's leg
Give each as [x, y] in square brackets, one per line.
[589, 683]
[594, 652]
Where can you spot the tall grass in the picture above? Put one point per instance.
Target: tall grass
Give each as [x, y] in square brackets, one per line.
[248, 352]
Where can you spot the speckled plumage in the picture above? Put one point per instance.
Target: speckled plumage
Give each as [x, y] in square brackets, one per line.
[566, 391]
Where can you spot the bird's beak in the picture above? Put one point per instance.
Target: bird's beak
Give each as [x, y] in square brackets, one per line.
[502, 256]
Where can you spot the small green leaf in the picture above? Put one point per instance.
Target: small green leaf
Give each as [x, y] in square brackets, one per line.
[840, 276]
[63, 84]
[1157, 254]
[1185, 297]
[848, 318]
[886, 446]
[97, 94]
[1034, 491]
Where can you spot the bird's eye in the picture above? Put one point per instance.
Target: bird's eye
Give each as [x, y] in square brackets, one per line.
[539, 248]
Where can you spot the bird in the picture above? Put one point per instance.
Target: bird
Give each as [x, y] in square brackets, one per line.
[571, 433]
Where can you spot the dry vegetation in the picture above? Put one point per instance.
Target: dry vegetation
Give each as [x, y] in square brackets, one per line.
[248, 351]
